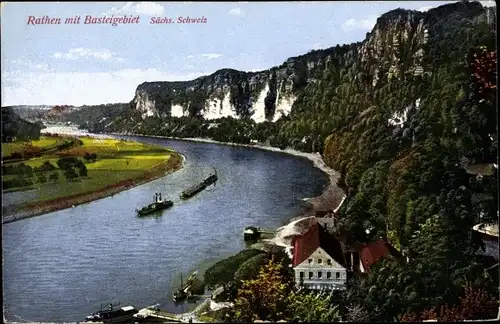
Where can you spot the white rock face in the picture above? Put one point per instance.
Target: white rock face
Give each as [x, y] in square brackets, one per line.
[216, 108]
[213, 109]
[218, 104]
[398, 119]
[259, 111]
[228, 109]
[178, 111]
[284, 107]
[145, 105]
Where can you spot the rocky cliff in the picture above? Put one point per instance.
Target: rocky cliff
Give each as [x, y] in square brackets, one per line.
[395, 48]
[386, 76]
[263, 96]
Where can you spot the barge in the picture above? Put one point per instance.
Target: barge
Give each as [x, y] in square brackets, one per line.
[190, 192]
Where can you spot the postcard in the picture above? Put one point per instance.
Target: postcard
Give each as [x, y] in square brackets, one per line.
[249, 161]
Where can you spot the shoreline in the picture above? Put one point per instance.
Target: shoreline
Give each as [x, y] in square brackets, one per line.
[330, 199]
[37, 209]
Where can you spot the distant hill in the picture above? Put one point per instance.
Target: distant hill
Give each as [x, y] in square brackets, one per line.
[16, 128]
[30, 107]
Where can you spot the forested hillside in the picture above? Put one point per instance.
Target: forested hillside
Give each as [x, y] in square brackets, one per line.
[95, 117]
[15, 128]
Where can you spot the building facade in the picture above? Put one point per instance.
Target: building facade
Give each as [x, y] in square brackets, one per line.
[318, 261]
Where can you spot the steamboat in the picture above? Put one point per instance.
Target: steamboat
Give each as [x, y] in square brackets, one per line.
[157, 205]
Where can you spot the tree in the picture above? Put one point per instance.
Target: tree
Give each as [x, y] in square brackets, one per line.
[224, 270]
[82, 169]
[41, 178]
[47, 166]
[307, 307]
[54, 177]
[70, 174]
[264, 298]
[250, 268]
[474, 304]
[357, 313]
[90, 157]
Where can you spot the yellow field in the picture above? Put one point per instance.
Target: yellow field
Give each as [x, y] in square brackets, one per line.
[9, 148]
[44, 142]
[116, 161]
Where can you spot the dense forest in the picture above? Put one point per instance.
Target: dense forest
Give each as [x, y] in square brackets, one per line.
[408, 117]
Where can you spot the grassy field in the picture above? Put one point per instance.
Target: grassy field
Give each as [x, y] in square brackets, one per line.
[117, 161]
[44, 143]
[31, 147]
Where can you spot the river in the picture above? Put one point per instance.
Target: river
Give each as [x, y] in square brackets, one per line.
[62, 266]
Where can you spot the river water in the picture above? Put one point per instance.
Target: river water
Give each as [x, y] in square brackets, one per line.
[63, 265]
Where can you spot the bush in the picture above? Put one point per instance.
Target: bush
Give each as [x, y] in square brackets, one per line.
[70, 174]
[16, 182]
[47, 166]
[90, 157]
[82, 170]
[67, 162]
[224, 271]
[41, 178]
[54, 177]
[250, 268]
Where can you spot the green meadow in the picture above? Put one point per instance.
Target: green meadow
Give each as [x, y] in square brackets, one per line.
[44, 143]
[116, 161]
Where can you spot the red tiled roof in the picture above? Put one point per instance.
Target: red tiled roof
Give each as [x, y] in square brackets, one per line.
[372, 252]
[305, 245]
[316, 236]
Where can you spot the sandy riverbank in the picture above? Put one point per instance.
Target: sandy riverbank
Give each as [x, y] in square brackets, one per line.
[12, 213]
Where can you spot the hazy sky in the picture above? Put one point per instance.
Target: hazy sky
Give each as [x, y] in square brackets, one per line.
[92, 64]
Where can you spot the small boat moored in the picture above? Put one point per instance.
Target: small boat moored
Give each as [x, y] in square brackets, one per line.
[111, 315]
[186, 290]
[251, 233]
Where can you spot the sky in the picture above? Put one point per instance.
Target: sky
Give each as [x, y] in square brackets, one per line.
[76, 64]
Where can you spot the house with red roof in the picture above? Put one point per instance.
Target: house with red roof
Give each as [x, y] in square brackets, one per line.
[371, 253]
[318, 260]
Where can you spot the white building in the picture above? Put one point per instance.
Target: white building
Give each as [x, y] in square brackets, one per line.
[318, 260]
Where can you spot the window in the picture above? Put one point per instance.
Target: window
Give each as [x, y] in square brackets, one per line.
[338, 275]
[328, 275]
[320, 261]
[310, 275]
[320, 274]
[329, 262]
[310, 260]
[302, 274]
